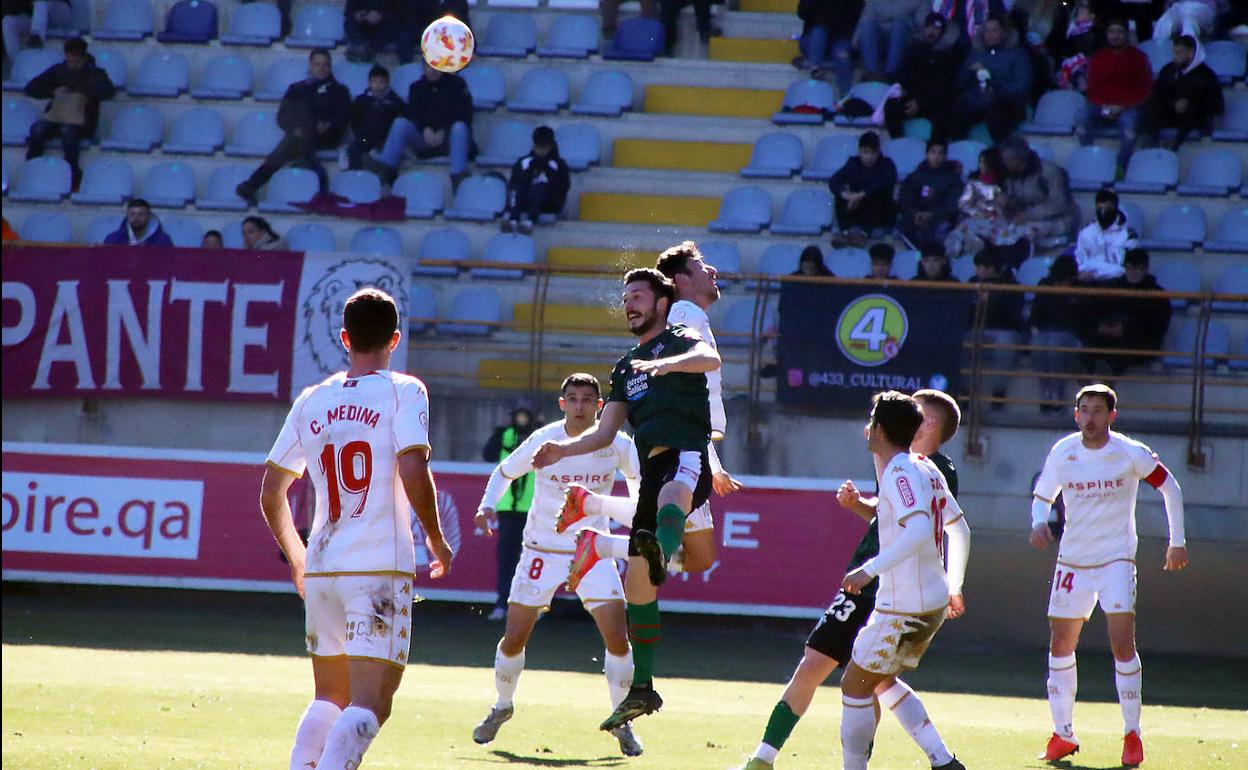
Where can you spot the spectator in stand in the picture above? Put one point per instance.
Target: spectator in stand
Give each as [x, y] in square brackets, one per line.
[372, 114]
[313, 114]
[258, 235]
[1143, 12]
[887, 25]
[212, 240]
[995, 81]
[1186, 95]
[863, 192]
[1071, 37]
[827, 39]
[1119, 79]
[928, 80]
[421, 13]
[811, 263]
[74, 88]
[1055, 319]
[513, 509]
[882, 256]
[669, 11]
[966, 18]
[928, 200]
[1037, 196]
[138, 228]
[371, 25]
[539, 183]
[610, 10]
[1102, 244]
[438, 121]
[1195, 18]
[934, 265]
[1137, 323]
[981, 208]
[1003, 319]
[26, 22]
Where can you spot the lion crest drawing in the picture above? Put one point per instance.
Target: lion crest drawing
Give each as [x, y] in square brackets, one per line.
[322, 310]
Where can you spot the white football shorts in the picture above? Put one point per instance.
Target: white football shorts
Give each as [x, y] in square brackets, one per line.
[541, 573]
[1076, 590]
[700, 518]
[360, 616]
[889, 642]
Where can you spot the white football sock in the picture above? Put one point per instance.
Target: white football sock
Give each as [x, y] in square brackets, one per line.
[611, 546]
[350, 737]
[619, 671]
[619, 509]
[906, 706]
[506, 676]
[1129, 677]
[1063, 684]
[767, 752]
[318, 720]
[857, 730]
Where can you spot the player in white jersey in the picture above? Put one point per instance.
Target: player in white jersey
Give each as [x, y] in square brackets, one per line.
[914, 511]
[1098, 471]
[363, 436]
[548, 554]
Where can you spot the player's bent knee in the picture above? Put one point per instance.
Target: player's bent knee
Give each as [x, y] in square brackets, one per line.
[511, 647]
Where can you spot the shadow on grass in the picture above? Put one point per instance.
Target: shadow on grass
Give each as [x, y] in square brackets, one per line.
[535, 761]
[449, 634]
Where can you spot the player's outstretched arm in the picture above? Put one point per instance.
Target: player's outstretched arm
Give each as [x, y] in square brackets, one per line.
[609, 424]
[276, 507]
[699, 359]
[915, 530]
[1164, 482]
[423, 495]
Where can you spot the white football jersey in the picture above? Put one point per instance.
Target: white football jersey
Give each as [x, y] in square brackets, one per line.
[348, 434]
[594, 471]
[689, 314]
[913, 493]
[1099, 488]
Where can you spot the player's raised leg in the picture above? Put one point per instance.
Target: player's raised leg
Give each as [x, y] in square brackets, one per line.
[617, 664]
[1063, 684]
[508, 665]
[333, 693]
[1128, 676]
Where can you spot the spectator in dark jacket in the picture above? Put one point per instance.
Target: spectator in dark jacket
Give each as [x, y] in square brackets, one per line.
[1055, 320]
[928, 200]
[313, 114]
[1119, 78]
[1003, 319]
[1127, 323]
[139, 228]
[539, 183]
[934, 265]
[75, 88]
[1037, 195]
[438, 121]
[928, 79]
[995, 81]
[827, 39]
[863, 192]
[372, 114]
[371, 25]
[1186, 95]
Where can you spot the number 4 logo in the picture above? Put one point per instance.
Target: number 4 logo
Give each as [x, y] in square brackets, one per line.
[872, 329]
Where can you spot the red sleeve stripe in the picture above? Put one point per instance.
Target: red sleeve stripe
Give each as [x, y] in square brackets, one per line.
[1157, 477]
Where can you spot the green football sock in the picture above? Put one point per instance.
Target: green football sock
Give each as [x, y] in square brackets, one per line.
[670, 529]
[643, 633]
[780, 725]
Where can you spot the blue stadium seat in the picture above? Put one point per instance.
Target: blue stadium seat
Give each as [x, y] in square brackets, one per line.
[1031, 272]
[849, 263]
[105, 181]
[963, 268]
[447, 243]
[1232, 126]
[310, 236]
[478, 199]
[871, 92]
[422, 308]
[27, 64]
[377, 241]
[806, 102]
[198, 131]
[354, 75]
[1213, 172]
[134, 128]
[1176, 228]
[906, 153]
[736, 326]
[542, 89]
[1159, 53]
[965, 152]
[19, 116]
[289, 186]
[255, 135]
[1231, 233]
[917, 128]
[1178, 275]
[254, 24]
[607, 93]
[316, 26]
[906, 264]
[1136, 218]
[513, 35]
[574, 36]
[777, 259]
[282, 74]
[1091, 168]
[724, 256]
[1227, 59]
[424, 192]
[473, 312]
[185, 232]
[190, 21]
[42, 179]
[76, 22]
[485, 83]
[635, 40]
[171, 183]
[232, 234]
[99, 228]
[115, 65]
[807, 211]
[1056, 113]
[356, 186]
[507, 141]
[777, 155]
[1182, 339]
[830, 154]
[1232, 280]
[219, 192]
[161, 74]
[1154, 170]
[227, 76]
[402, 78]
[1043, 150]
[506, 248]
[46, 226]
[743, 210]
[125, 20]
[580, 145]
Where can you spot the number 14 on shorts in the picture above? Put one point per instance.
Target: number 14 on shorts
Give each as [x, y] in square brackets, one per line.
[1064, 580]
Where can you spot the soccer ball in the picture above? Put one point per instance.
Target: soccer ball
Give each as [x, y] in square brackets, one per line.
[447, 44]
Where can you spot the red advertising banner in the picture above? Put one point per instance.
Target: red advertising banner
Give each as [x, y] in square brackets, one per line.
[129, 516]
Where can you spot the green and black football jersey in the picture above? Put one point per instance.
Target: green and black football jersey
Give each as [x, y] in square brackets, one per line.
[669, 411]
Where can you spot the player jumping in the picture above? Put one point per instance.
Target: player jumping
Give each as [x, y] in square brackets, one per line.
[1098, 473]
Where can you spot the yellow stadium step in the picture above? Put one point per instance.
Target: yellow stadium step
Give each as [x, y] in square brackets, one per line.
[722, 102]
[769, 6]
[577, 319]
[648, 209]
[752, 50]
[514, 375]
[682, 156]
[589, 258]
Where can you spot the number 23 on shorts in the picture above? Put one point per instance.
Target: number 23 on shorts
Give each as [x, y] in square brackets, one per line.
[841, 607]
[1064, 580]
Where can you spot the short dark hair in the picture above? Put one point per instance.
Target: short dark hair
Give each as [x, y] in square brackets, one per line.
[212, 233]
[378, 71]
[675, 259]
[1135, 257]
[137, 203]
[950, 414]
[898, 415]
[1106, 195]
[1187, 41]
[660, 284]
[881, 252]
[1064, 267]
[76, 46]
[870, 140]
[988, 256]
[261, 223]
[544, 135]
[1116, 21]
[371, 319]
[937, 141]
[315, 52]
[1101, 390]
[580, 380]
[933, 249]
